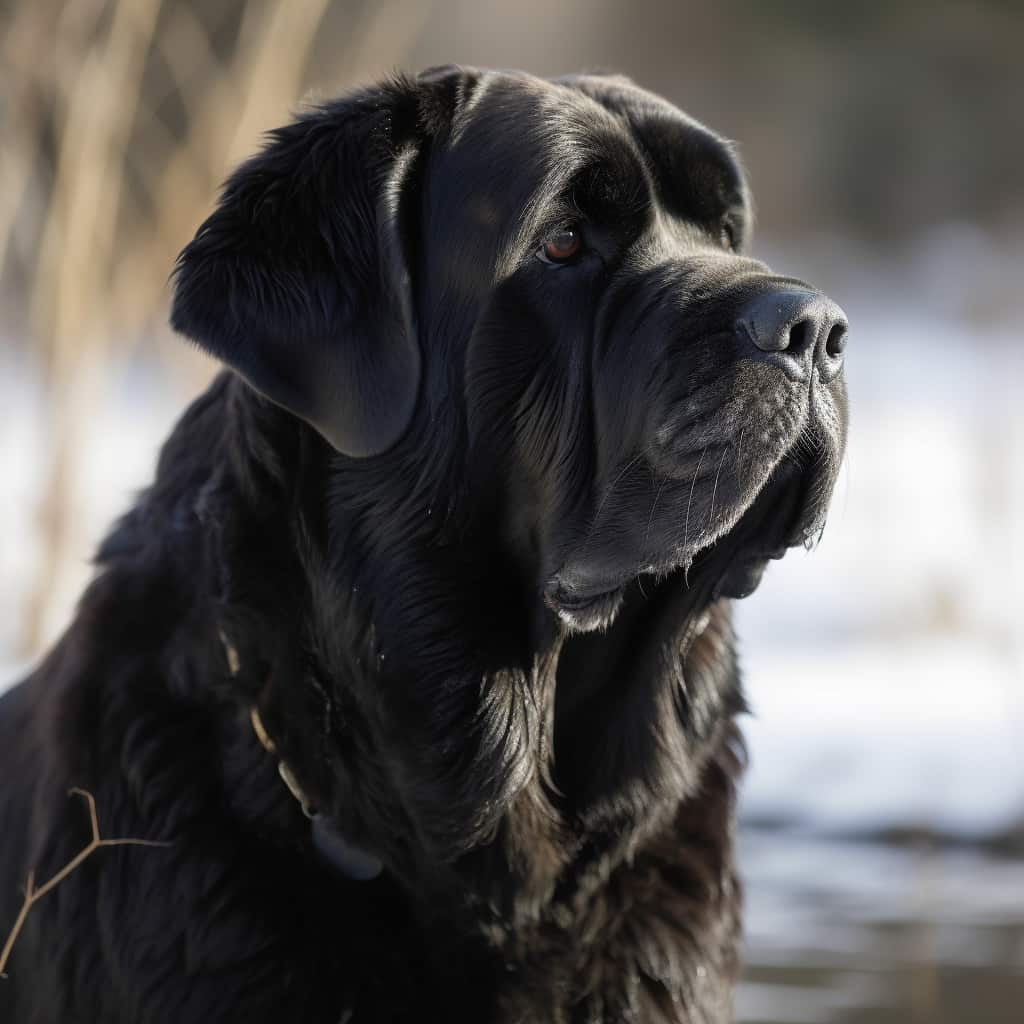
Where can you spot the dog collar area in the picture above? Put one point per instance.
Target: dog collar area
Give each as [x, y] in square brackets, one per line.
[346, 858]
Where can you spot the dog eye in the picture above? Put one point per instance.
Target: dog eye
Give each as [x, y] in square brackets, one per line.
[561, 247]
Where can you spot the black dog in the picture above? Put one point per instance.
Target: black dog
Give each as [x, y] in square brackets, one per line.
[510, 421]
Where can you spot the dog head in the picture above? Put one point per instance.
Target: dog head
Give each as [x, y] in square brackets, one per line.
[548, 381]
[558, 267]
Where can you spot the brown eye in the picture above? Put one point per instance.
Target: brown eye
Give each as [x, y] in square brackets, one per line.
[561, 246]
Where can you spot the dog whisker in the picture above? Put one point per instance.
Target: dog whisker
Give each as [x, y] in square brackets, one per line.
[739, 460]
[604, 499]
[650, 518]
[689, 502]
[714, 490]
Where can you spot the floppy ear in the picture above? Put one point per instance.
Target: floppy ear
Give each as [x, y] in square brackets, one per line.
[299, 279]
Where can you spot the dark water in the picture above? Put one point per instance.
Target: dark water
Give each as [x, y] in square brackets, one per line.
[860, 932]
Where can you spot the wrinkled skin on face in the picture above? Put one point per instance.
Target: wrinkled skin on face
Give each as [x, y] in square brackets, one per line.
[628, 423]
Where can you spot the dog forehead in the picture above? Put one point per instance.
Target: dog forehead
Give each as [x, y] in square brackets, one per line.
[516, 139]
[538, 107]
[516, 144]
[689, 161]
[513, 132]
[518, 147]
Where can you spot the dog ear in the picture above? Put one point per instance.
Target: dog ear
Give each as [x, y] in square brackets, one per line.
[299, 280]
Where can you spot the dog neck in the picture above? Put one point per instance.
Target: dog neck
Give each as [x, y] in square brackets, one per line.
[343, 856]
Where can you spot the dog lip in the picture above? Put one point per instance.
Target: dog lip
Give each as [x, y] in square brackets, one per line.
[561, 598]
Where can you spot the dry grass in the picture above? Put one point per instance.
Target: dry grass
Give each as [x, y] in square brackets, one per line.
[121, 117]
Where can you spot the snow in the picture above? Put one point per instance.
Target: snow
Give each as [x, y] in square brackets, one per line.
[923, 734]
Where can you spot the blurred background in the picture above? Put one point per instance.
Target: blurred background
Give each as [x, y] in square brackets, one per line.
[882, 836]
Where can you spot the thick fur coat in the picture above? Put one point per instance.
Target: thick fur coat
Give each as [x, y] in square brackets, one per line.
[508, 421]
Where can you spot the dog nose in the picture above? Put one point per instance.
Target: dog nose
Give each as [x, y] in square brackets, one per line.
[800, 326]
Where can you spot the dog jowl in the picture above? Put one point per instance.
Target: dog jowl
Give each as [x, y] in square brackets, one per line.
[510, 419]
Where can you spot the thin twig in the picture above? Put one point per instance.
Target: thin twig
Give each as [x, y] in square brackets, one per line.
[32, 894]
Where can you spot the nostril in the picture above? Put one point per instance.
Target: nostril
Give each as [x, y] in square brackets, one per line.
[800, 336]
[835, 343]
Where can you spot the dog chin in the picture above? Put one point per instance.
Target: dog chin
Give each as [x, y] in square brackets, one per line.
[787, 511]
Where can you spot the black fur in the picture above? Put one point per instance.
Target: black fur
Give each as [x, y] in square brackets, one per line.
[472, 534]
